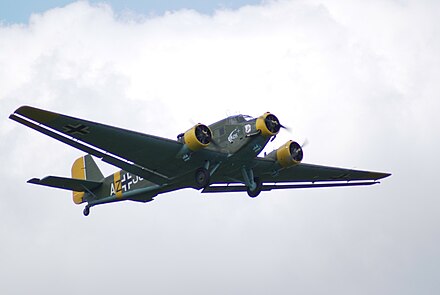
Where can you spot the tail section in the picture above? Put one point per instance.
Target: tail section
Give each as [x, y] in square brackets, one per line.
[86, 177]
[84, 168]
[88, 185]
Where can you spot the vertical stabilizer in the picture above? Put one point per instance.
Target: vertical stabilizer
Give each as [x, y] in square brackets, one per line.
[85, 168]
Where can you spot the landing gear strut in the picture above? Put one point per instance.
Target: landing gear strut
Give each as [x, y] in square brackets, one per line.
[202, 178]
[253, 184]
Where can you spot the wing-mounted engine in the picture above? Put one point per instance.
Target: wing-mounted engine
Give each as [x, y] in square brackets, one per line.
[289, 154]
[268, 124]
[196, 138]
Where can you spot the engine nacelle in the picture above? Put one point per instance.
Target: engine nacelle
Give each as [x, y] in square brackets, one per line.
[288, 154]
[268, 124]
[197, 137]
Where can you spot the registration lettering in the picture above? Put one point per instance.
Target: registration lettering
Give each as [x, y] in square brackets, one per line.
[124, 183]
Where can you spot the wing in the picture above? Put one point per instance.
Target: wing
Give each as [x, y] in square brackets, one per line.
[299, 176]
[145, 155]
[313, 173]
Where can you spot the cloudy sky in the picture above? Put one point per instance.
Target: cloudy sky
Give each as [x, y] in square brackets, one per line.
[358, 79]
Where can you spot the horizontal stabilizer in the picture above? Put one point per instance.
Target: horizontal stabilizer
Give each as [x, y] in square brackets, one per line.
[78, 185]
[267, 187]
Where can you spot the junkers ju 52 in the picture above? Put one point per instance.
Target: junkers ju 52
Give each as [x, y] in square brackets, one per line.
[219, 158]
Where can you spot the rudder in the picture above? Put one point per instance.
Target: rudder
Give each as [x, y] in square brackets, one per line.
[85, 168]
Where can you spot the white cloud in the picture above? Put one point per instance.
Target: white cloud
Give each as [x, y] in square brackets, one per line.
[358, 79]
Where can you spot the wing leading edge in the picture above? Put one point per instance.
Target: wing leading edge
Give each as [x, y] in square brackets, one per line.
[312, 173]
[298, 176]
[132, 151]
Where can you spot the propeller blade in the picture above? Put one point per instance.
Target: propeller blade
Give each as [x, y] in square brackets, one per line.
[285, 128]
[306, 142]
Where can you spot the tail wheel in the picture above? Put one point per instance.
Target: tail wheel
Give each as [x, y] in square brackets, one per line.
[202, 178]
[86, 211]
[254, 193]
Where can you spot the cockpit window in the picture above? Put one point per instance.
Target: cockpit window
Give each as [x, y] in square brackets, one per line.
[239, 119]
[248, 118]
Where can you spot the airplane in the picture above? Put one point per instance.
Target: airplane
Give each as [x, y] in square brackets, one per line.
[219, 158]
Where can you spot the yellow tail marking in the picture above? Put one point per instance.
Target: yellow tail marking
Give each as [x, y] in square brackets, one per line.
[117, 183]
[78, 172]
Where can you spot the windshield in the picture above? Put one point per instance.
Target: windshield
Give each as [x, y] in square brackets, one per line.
[248, 118]
[239, 119]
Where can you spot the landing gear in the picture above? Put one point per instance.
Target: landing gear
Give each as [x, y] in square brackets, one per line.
[86, 211]
[257, 190]
[202, 178]
[253, 184]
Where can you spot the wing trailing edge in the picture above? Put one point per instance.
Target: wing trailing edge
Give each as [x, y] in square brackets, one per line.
[269, 187]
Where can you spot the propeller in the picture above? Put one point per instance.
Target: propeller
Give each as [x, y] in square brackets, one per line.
[203, 134]
[296, 151]
[285, 128]
[305, 142]
[272, 123]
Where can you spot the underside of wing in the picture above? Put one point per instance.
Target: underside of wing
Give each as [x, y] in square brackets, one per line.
[299, 176]
[269, 187]
[315, 173]
[142, 154]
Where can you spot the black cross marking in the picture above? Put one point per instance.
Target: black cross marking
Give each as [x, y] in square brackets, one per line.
[126, 182]
[79, 129]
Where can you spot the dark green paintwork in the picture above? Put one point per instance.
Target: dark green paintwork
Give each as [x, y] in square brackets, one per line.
[164, 165]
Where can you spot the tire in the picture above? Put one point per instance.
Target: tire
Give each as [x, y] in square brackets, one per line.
[202, 178]
[254, 193]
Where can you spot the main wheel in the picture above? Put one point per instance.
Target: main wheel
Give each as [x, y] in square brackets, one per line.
[254, 193]
[86, 211]
[202, 178]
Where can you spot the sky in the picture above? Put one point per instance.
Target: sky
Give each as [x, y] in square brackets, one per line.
[19, 11]
[357, 79]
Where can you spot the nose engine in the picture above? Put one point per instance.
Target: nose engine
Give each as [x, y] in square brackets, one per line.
[268, 124]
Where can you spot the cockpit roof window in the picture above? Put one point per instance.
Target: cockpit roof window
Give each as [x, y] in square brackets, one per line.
[248, 118]
[240, 118]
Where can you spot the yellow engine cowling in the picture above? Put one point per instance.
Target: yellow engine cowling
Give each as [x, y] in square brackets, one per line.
[197, 137]
[268, 124]
[289, 154]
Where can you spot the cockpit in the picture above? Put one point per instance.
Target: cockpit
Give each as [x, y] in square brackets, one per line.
[239, 119]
